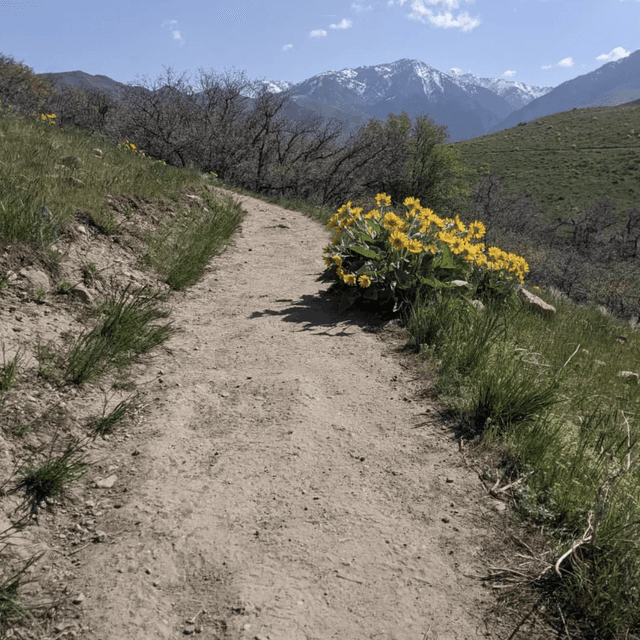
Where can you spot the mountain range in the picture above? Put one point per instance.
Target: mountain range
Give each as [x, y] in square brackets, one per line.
[469, 106]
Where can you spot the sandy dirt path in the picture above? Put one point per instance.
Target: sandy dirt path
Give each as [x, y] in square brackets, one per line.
[286, 481]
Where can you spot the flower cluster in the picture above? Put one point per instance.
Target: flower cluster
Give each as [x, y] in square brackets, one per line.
[130, 146]
[50, 118]
[391, 254]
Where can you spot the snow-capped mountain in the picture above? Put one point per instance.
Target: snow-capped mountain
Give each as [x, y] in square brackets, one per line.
[469, 106]
[517, 94]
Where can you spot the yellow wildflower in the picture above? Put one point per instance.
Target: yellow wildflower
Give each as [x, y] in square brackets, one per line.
[457, 246]
[398, 240]
[333, 221]
[459, 225]
[327, 260]
[337, 260]
[349, 279]
[340, 272]
[391, 221]
[364, 281]
[373, 214]
[383, 198]
[476, 230]
[414, 246]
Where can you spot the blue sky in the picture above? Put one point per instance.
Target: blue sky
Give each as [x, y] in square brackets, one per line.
[539, 42]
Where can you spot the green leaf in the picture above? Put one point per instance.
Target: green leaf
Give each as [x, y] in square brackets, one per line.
[364, 251]
[446, 261]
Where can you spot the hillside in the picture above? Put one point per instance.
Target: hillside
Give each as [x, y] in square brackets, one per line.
[566, 161]
[612, 84]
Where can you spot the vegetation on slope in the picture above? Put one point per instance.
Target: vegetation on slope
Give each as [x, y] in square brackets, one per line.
[566, 161]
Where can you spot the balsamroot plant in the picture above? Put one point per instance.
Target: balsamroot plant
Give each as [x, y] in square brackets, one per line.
[387, 258]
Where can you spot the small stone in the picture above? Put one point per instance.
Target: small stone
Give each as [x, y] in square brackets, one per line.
[82, 293]
[498, 506]
[629, 376]
[100, 536]
[97, 152]
[82, 229]
[106, 483]
[79, 599]
[536, 303]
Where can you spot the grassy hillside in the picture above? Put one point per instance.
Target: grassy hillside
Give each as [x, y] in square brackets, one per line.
[566, 161]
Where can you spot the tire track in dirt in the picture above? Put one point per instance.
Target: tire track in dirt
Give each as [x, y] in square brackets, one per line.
[286, 480]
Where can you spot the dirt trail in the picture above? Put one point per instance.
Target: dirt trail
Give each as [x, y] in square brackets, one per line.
[286, 482]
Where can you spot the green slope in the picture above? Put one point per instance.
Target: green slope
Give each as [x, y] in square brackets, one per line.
[566, 161]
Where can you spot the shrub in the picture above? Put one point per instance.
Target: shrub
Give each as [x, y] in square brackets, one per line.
[387, 258]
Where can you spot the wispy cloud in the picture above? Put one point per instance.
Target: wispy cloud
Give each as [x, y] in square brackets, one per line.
[440, 15]
[566, 62]
[359, 7]
[508, 74]
[614, 54]
[547, 66]
[318, 33]
[345, 23]
[172, 25]
[287, 47]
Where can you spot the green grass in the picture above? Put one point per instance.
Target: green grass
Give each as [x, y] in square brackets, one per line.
[43, 482]
[44, 167]
[566, 161]
[548, 394]
[126, 329]
[183, 246]
[9, 369]
[107, 422]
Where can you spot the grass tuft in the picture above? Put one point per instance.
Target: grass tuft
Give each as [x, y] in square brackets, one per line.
[46, 481]
[126, 330]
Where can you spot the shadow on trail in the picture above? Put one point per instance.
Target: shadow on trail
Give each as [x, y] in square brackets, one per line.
[321, 312]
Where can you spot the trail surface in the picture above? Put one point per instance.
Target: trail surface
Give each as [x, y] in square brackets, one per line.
[286, 481]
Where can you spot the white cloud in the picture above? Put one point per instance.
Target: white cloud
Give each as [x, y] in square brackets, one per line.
[566, 62]
[358, 7]
[172, 25]
[614, 54]
[287, 47]
[317, 33]
[547, 66]
[508, 74]
[345, 23]
[441, 15]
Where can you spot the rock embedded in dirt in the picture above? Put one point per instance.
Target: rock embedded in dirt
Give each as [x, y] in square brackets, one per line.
[37, 280]
[83, 294]
[106, 483]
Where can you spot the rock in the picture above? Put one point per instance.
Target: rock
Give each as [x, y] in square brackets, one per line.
[629, 376]
[100, 536]
[97, 152]
[82, 293]
[460, 283]
[106, 483]
[537, 304]
[37, 280]
[79, 599]
[479, 306]
[197, 199]
[80, 228]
